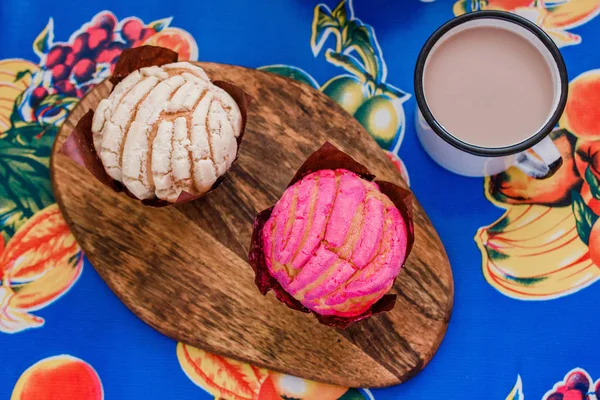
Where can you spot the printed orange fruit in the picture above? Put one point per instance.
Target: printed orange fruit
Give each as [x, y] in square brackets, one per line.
[582, 115]
[513, 186]
[587, 154]
[177, 40]
[507, 5]
[268, 391]
[594, 244]
[290, 387]
[59, 378]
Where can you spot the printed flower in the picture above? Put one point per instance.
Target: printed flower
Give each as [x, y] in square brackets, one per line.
[535, 253]
[69, 69]
[59, 378]
[555, 17]
[39, 264]
[233, 380]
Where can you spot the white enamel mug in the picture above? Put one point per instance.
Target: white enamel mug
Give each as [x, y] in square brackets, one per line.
[476, 161]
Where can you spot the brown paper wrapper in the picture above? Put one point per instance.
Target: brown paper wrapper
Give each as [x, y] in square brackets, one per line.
[329, 157]
[79, 145]
[141, 57]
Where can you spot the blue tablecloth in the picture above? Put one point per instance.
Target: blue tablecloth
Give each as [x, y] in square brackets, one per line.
[524, 253]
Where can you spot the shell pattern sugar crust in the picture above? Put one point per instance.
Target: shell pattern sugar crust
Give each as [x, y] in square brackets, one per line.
[335, 242]
[168, 129]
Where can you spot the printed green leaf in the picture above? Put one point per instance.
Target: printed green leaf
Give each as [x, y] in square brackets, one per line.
[22, 74]
[340, 13]
[353, 394]
[322, 26]
[160, 24]
[517, 391]
[584, 217]
[500, 225]
[31, 134]
[15, 116]
[24, 184]
[465, 6]
[461, 7]
[593, 182]
[495, 255]
[291, 72]
[478, 5]
[347, 62]
[60, 101]
[41, 44]
[392, 91]
[360, 38]
[526, 281]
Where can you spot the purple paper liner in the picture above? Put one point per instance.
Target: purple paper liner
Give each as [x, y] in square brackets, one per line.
[328, 157]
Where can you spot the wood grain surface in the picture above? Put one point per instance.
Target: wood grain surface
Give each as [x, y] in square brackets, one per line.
[183, 269]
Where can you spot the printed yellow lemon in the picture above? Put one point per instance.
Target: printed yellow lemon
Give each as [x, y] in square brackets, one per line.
[380, 118]
[347, 91]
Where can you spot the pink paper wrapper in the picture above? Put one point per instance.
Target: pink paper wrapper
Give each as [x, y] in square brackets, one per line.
[79, 145]
[328, 157]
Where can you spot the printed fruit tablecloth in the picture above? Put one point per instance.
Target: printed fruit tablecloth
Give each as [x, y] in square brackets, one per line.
[525, 253]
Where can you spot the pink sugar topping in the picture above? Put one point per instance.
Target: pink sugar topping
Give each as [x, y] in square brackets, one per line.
[335, 242]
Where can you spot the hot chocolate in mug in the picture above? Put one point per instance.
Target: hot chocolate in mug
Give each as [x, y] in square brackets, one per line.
[490, 87]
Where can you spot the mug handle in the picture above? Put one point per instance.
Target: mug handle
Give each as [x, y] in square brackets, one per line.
[550, 162]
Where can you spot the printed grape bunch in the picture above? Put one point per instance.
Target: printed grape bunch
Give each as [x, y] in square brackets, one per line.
[74, 65]
[576, 386]
[36, 99]
[68, 70]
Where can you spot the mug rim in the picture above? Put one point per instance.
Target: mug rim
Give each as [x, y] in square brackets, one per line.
[475, 149]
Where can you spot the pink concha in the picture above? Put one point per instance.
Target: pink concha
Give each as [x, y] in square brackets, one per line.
[335, 242]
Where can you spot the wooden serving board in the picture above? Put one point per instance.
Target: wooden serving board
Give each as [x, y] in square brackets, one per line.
[183, 269]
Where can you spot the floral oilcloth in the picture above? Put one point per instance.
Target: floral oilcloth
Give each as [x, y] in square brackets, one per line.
[525, 254]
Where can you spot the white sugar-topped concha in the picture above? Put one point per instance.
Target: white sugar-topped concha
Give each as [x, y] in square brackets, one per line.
[168, 129]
